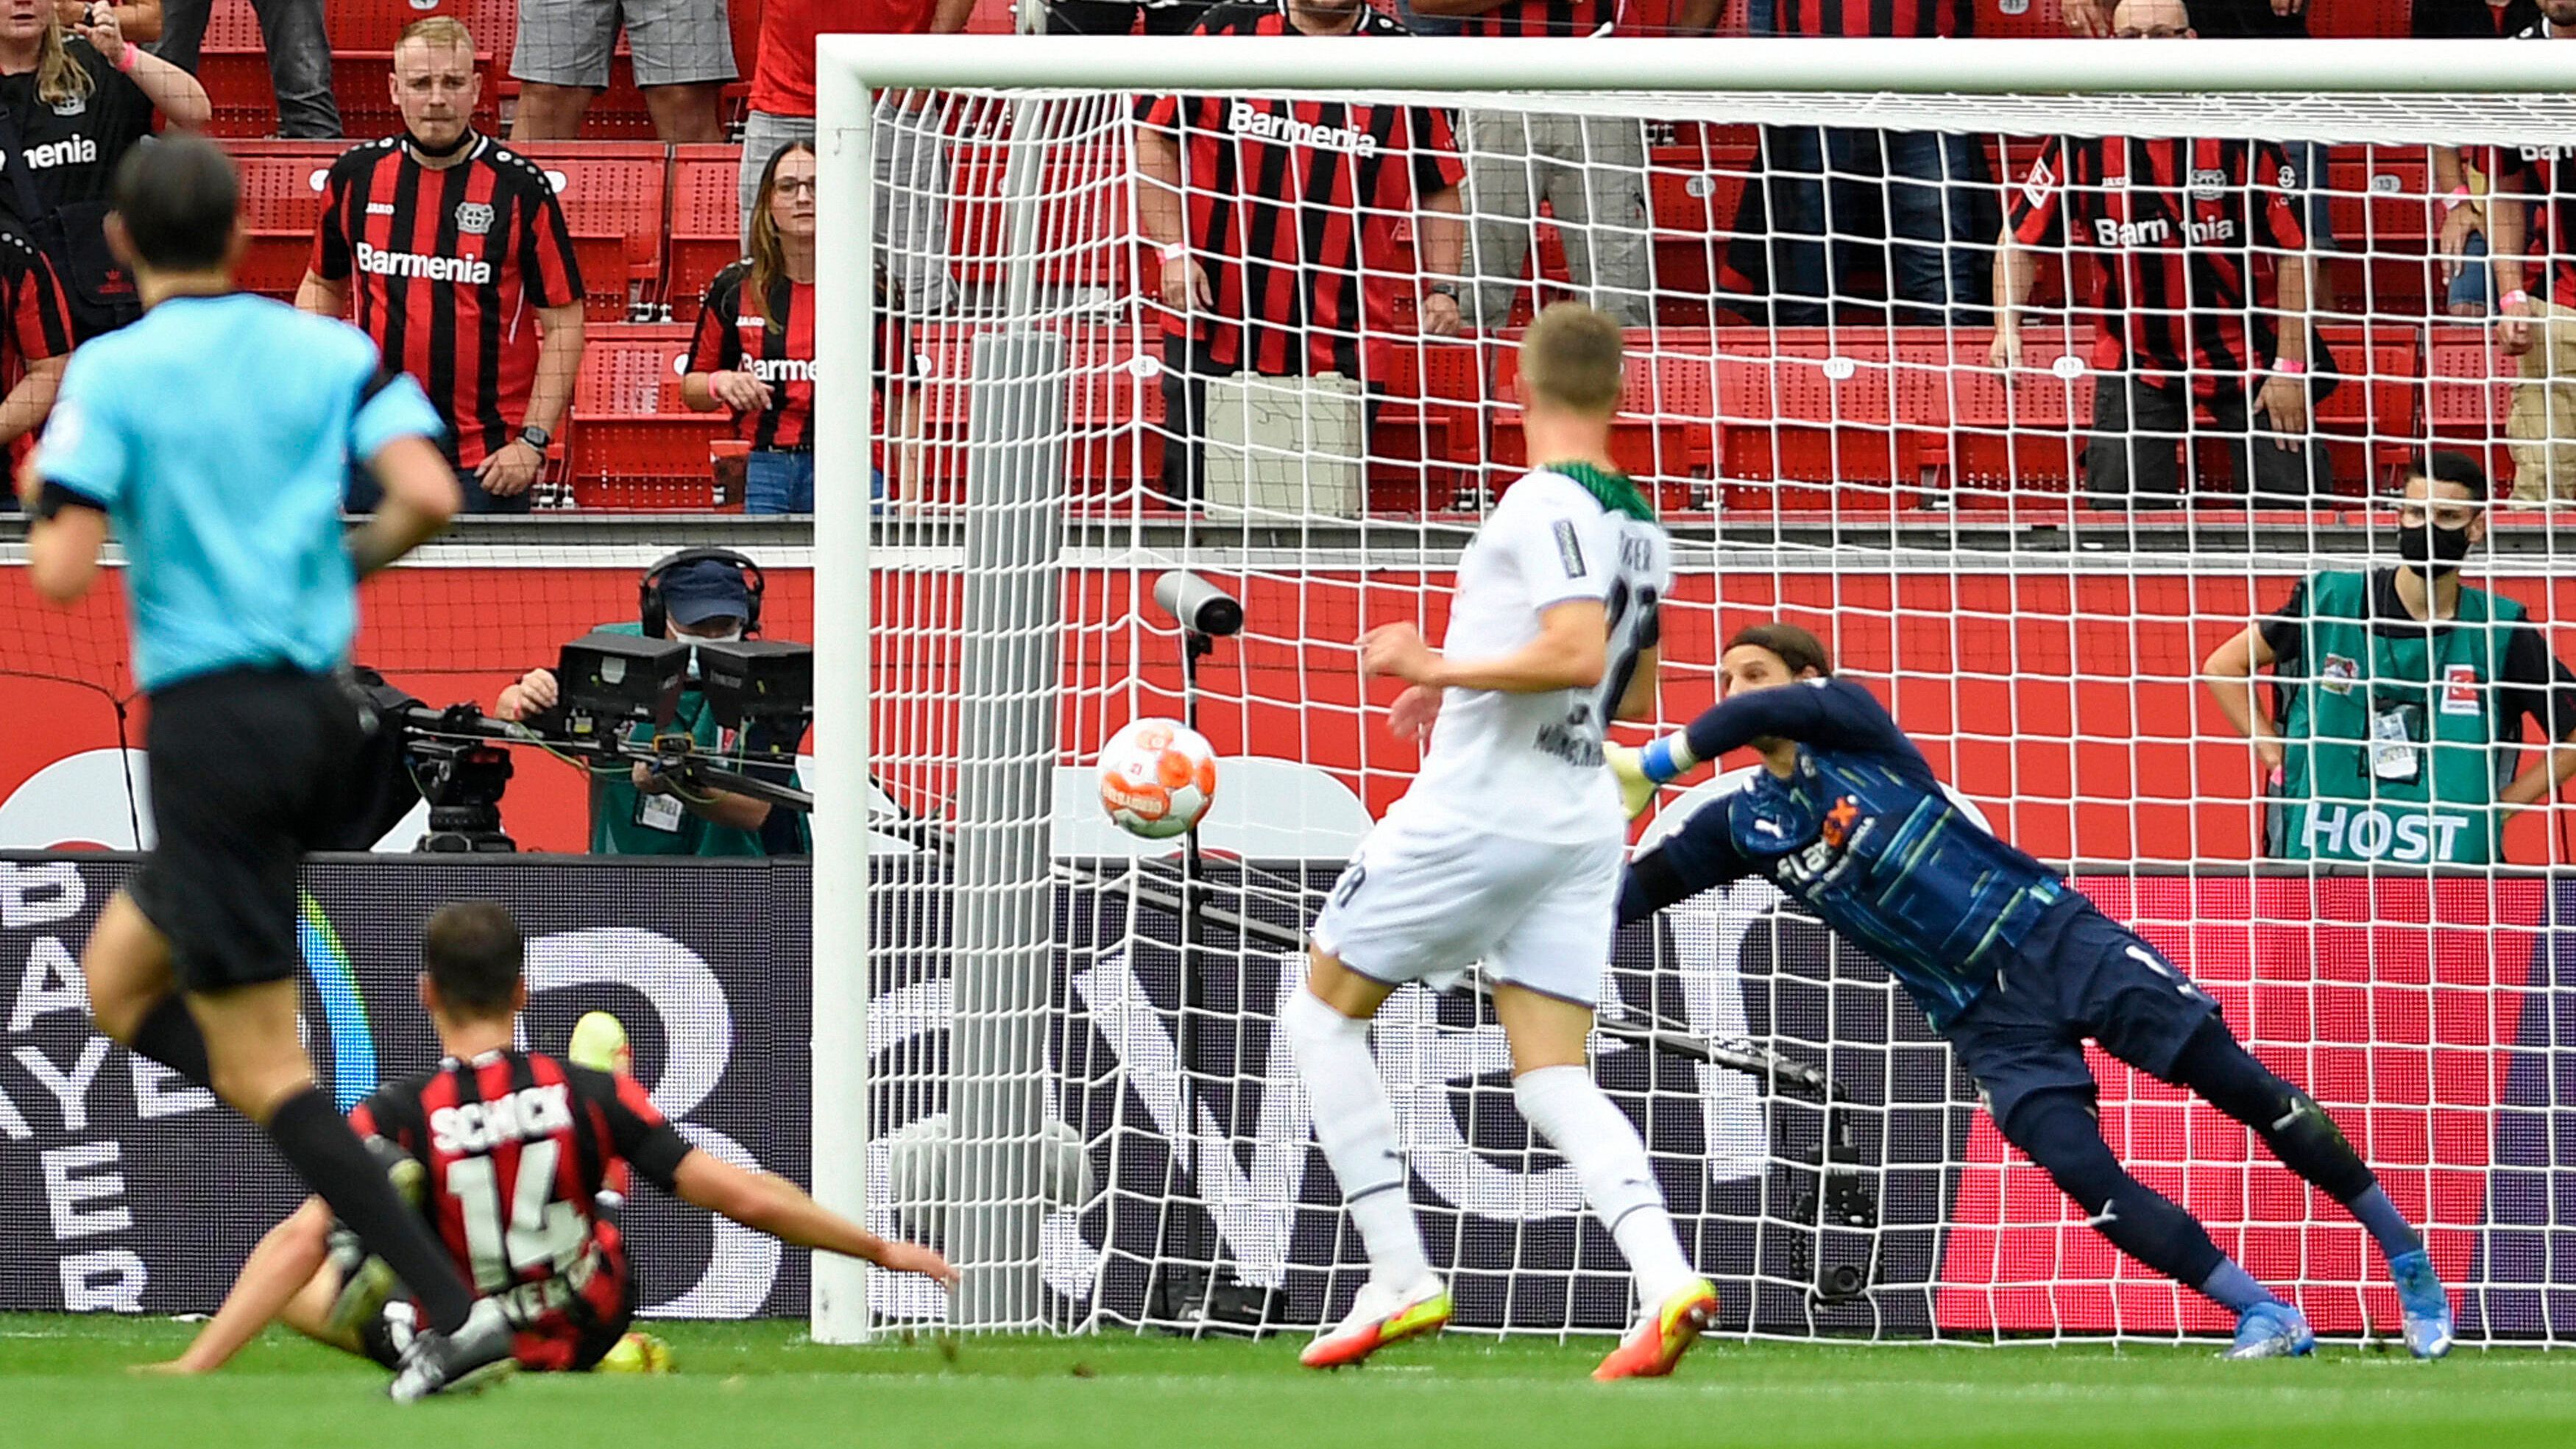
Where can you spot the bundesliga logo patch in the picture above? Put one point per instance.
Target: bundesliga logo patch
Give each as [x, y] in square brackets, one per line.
[474, 218]
[2460, 689]
[2337, 675]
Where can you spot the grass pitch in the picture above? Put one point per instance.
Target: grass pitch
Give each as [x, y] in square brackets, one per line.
[63, 1385]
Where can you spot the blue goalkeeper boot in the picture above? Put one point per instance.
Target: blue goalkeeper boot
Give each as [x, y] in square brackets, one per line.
[2272, 1330]
[2426, 1303]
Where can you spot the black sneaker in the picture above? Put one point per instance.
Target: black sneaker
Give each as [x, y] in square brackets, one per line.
[467, 1361]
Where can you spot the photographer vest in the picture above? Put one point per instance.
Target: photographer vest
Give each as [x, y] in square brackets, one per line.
[2390, 737]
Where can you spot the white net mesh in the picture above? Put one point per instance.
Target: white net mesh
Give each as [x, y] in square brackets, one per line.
[1270, 339]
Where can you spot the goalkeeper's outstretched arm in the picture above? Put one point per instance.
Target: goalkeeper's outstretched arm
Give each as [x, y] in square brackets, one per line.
[1831, 713]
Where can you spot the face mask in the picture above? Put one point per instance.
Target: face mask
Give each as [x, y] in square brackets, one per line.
[2433, 552]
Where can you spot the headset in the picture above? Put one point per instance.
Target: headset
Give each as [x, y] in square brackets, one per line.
[654, 615]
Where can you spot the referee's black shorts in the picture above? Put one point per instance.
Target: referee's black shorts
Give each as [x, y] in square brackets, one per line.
[250, 768]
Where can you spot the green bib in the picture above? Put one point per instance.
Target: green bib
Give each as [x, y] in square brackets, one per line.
[2389, 739]
[626, 821]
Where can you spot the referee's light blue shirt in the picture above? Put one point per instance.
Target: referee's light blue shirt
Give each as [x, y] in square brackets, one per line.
[218, 432]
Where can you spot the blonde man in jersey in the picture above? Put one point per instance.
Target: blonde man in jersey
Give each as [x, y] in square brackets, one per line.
[1507, 850]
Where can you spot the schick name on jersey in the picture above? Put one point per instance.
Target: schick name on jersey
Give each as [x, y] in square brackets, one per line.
[473, 271]
[70, 151]
[1244, 118]
[471, 1127]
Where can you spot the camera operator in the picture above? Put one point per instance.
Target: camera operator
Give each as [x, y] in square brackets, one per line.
[695, 594]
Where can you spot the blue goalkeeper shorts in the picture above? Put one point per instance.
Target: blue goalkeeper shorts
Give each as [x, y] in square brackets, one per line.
[2079, 974]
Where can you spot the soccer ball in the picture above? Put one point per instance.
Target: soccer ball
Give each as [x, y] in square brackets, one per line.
[918, 1161]
[1157, 778]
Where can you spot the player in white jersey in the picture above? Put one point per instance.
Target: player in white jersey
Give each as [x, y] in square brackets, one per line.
[1507, 850]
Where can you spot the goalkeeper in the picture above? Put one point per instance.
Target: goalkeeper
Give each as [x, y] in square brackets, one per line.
[2012, 965]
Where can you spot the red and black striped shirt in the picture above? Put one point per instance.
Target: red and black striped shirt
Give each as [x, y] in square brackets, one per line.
[31, 296]
[779, 350]
[1294, 209]
[451, 266]
[518, 1147]
[1543, 17]
[2179, 229]
[1893, 18]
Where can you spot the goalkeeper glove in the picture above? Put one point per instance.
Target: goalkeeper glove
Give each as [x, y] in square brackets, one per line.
[1636, 792]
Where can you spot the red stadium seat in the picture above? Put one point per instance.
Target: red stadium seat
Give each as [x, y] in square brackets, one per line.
[233, 65]
[1113, 406]
[632, 445]
[281, 208]
[2374, 419]
[2362, 19]
[1693, 189]
[1990, 442]
[2019, 20]
[2468, 391]
[706, 221]
[1815, 406]
[615, 198]
[1665, 434]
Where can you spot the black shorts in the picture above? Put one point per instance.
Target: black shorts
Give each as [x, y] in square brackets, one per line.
[562, 1344]
[2079, 974]
[250, 768]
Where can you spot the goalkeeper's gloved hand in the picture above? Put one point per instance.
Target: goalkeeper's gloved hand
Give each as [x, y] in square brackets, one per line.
[1636, 792]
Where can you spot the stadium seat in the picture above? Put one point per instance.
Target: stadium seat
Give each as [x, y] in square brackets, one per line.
[1693, 188]
[1113, 408]
[614, 196]
[2019, 20]
[1815, 406]
[281, 208]
[706, 222]
[2468, 389]
[2374, 419]
[632, 446]
[1991, 443]
[233, 65]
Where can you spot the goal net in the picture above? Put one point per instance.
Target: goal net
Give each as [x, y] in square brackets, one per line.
[1249, 309]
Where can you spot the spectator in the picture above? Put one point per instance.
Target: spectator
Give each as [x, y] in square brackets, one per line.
[682, 51]
[76, 103]
[35, 336]
[2398, 696]
[1916, 207]
[1590, 169]
[912, 172]
[2173, 227]
[293, 33]
[754, 349]
[462, 270]
[2539, 327]
[2473, 19]
[694, 594]
[1236, 191]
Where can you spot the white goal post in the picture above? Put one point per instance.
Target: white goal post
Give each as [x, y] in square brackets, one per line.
[999, 658]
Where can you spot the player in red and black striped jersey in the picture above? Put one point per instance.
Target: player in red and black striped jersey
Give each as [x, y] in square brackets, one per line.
[513, 1153]
[2179, 232]
[460, 264]
[35, 335]
[1921, 18]
[1279, 223]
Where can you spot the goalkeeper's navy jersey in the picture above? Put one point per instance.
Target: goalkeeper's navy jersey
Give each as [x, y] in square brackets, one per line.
[1862, 833]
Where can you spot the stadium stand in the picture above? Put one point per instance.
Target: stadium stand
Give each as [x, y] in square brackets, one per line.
[1742, 418]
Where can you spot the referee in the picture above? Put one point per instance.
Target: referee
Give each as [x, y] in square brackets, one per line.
[242, 590]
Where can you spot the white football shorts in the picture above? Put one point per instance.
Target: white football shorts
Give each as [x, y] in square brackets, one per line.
[1425, 898]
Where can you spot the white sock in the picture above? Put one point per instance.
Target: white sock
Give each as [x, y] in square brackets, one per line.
[1594, 1137]
[1356, 1125]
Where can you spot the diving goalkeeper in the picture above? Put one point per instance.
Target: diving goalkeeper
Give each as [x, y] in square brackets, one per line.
[2012, 965]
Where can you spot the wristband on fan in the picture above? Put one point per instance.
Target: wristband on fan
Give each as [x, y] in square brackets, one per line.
[2457, 197]
[1174, 251]
[1667, 758]
[126, 57]
[2514, 298]
[2287, 367]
